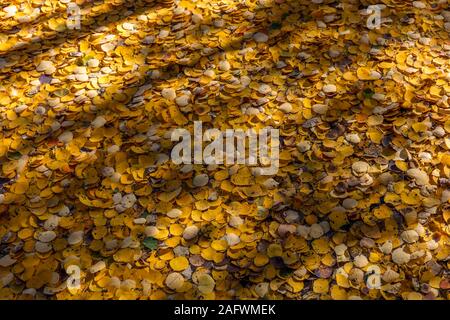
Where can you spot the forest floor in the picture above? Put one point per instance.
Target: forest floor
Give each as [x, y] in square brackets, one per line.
[93, 207]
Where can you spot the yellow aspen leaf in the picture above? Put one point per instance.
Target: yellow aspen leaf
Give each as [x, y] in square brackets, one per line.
[179, 263]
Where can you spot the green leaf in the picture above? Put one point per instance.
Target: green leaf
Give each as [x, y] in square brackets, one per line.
[61, 92]
[368, 93]
[14, 155]
[83, 61]
[150, 243]
[286, 272]
[145, 214]
[275, 26]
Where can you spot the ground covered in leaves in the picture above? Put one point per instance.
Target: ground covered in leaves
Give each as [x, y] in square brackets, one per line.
[361, 196]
